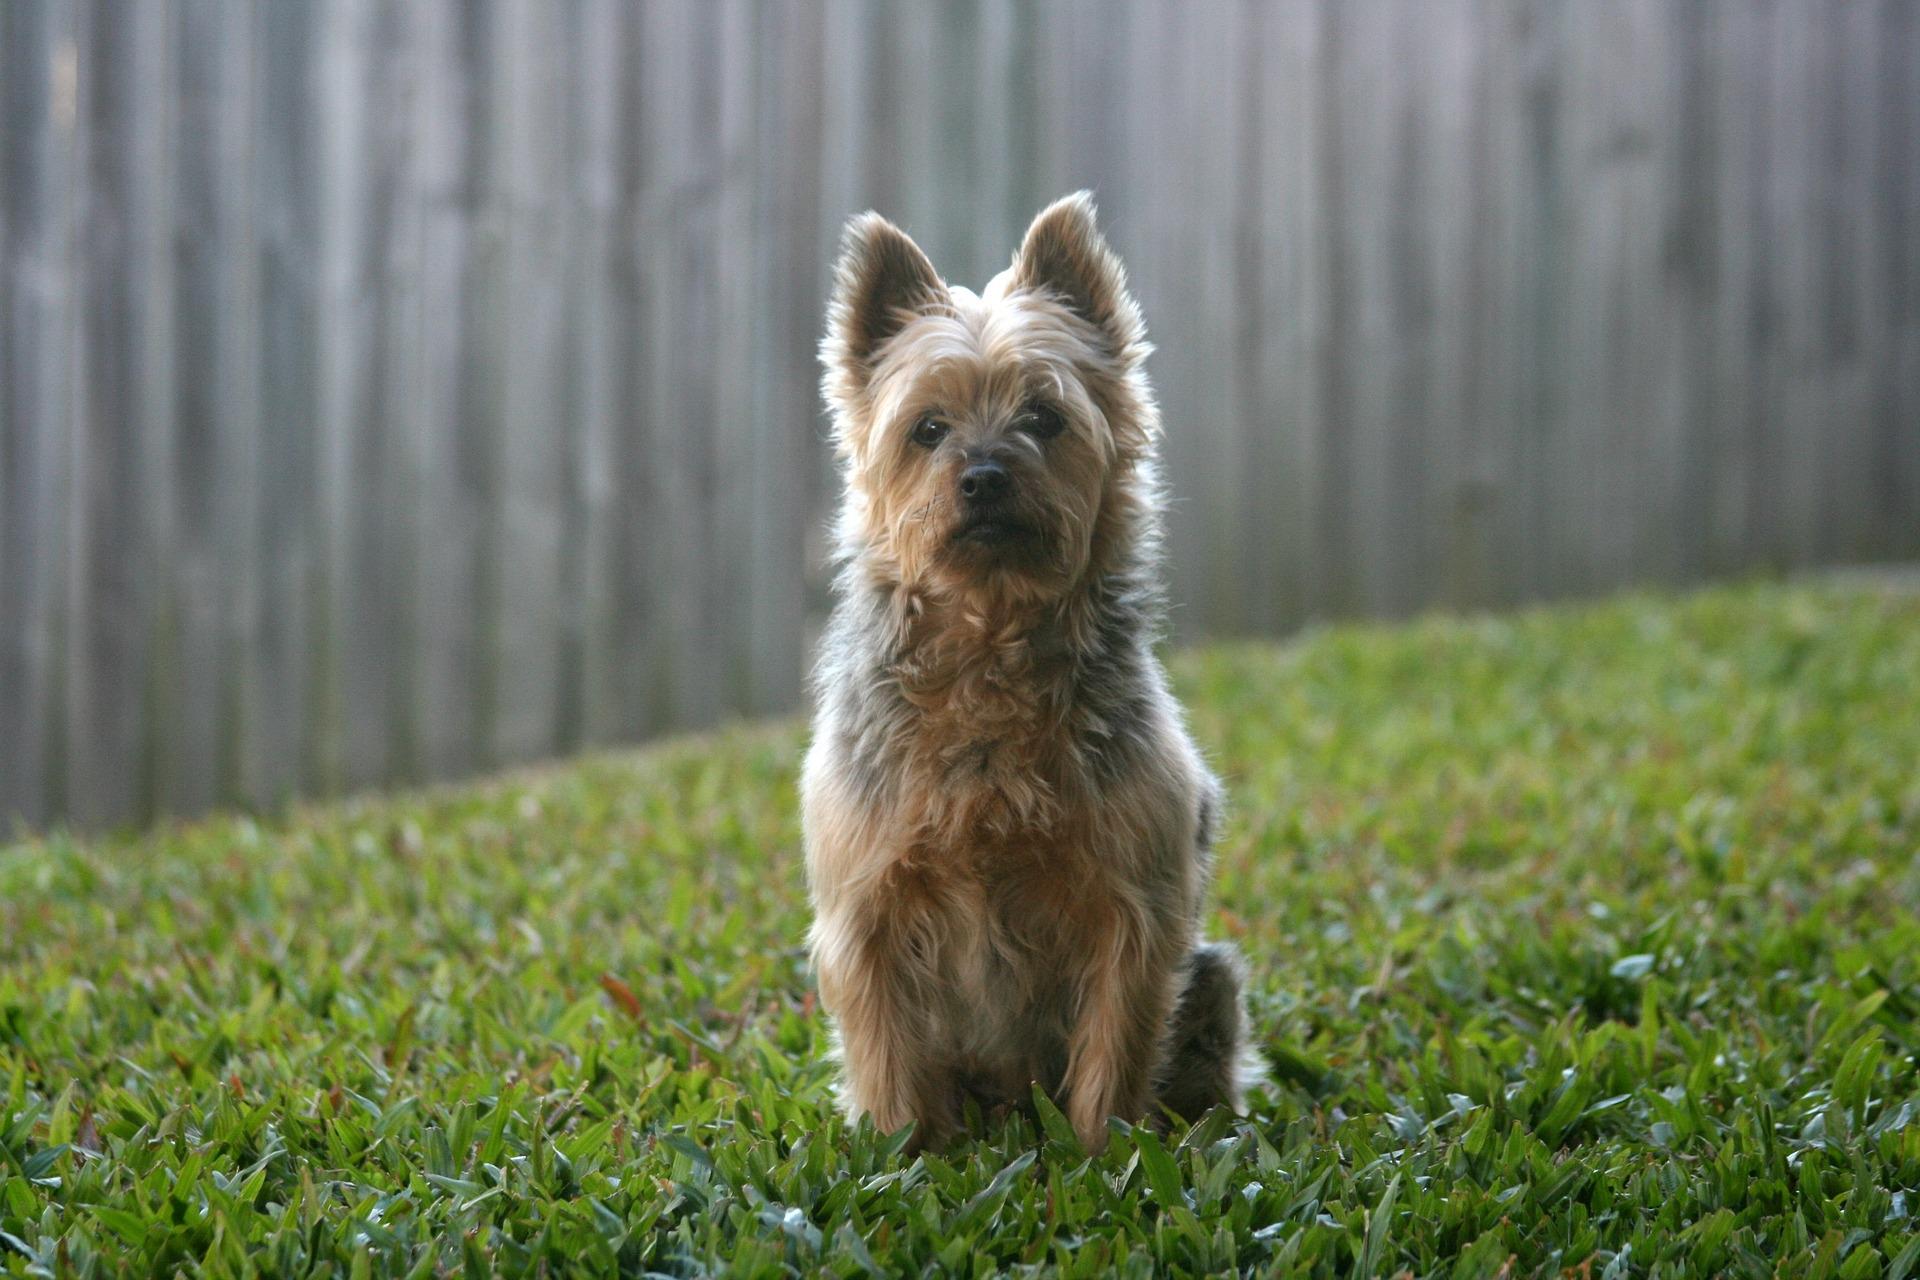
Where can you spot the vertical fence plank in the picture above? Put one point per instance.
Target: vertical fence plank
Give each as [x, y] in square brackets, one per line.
[853, 151]
[1544, 305]
[787, 492]
[387, 413]
[1154, 64]
[1583, 461]
[677, 208]
[1262, 429]
[120, 432]
[1214, 201]
[1726, 400]
[1779, 269]
[1286, 309]
[239, 377]
[913, 157]
[1372, 130]
[339, 728]
[536, 242]
[1333, 547]
[370, 350]
[1426, 246]
[39, 87]
[286, 518]
[1692, 191]
[19, 51]
[194, 729]
[1651, 372]
[1489, 496]
[1842, 106]
[734, 537]
[846, 157]
[1796, 194]
[997, 102]
[1456, 556]
[1894, 262]
[156, 481]
[950, 211]
[1897, 448]
[638, 565]
[1153, 79]
[453, 452]
[589, 709]
[1760, 537]
[479, 431]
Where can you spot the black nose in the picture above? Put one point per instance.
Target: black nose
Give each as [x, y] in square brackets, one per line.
[984, 482]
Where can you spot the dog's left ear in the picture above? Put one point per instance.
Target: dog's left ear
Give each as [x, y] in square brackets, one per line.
[1064, 254]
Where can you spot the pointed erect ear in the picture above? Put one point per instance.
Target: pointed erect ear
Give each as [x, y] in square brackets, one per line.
[881, 283]
[1064, 254]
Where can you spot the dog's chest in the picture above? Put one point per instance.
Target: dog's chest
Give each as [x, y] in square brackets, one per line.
[982, 783]
[987, 754]
[1017, 914]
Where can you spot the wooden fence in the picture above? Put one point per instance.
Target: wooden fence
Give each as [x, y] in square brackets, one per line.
[390, 389]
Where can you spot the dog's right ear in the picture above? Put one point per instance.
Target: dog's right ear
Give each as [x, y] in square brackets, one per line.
[882, 282]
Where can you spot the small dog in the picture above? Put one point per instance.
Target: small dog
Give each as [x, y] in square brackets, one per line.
[1008, 829]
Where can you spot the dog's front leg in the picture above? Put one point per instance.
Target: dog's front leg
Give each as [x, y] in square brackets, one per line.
[1125, 998]
[875, 985]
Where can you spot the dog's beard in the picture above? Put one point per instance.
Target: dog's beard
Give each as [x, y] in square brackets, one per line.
[1003, 542]
[1008, 561]
[995, 531]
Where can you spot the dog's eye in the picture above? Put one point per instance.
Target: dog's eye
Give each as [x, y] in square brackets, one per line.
[929, 432]
[1041, 421]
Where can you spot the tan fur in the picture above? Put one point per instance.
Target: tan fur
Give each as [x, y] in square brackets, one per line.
[1007, 825]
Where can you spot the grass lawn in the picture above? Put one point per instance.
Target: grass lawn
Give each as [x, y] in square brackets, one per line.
[1585, 940]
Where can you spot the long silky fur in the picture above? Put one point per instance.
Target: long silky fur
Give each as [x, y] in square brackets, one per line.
[1008, 828]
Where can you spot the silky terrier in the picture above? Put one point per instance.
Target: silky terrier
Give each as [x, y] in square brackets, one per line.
[1008, 827]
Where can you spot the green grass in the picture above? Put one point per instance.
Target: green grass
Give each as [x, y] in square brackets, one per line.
[1584, 940]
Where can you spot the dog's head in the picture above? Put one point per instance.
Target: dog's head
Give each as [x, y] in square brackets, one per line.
[993, 443]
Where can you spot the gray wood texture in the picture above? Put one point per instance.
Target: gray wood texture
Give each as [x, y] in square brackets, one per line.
[392, 389]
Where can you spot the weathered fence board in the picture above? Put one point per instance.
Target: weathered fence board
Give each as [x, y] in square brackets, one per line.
[38, 312]
[391, 389]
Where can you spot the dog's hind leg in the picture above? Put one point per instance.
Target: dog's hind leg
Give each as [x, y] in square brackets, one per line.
[1208, 1060]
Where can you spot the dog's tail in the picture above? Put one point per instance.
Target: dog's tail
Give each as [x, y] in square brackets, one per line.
[1209, 1060]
